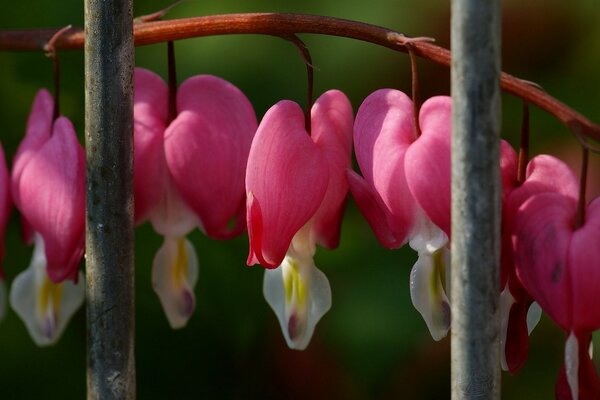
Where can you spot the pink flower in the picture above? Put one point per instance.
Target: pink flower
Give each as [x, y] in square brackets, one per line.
[557, 262]
[385, 140]
[519, 314]
[5, 208]
[405, 194]
[48, 188]
[296, 187]
[428, 172]
[189, 172]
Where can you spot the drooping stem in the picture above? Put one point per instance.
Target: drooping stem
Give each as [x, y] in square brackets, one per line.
[56, 68]
[276, 24]
[415, 89]
[303, 49]
[524, 146]
[50, 50]
[172, 71]
[582, 187]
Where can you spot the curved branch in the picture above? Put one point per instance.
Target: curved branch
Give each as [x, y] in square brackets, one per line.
[290, 24]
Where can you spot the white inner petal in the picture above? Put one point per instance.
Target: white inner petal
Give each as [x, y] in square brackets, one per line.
[534, 314]
[298, 292]
[572, 365]
[172, 217]
[427, 291]
[44, 306]
[426, 237]
[174, 276]
[506, 303]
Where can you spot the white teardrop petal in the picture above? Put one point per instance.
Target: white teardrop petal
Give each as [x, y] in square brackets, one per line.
[174, 276]
[534, 314]
[427, 292]
[572, 365]
[299, 294]
[427, 237]
[44, 306]
[506, 303]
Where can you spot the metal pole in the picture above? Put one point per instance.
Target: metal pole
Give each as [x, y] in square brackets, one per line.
[475, 199]
[109, 55]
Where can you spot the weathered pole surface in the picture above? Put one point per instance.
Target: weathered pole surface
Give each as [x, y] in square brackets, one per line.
[475, 199]
[109, 60]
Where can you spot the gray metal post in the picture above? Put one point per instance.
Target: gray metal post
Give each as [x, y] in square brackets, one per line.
[109, 55]
[475, 199]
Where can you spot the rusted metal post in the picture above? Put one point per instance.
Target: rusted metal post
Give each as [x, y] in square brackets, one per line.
[475, 199]
[109, 55]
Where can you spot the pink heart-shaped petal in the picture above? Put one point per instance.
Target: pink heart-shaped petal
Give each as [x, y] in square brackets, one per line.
[286, 181]
[207, 148]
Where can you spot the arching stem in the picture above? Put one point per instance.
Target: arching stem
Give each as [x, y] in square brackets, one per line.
[155, 16]
[279, 24]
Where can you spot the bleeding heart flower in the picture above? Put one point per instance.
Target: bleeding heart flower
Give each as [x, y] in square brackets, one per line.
[189, 172]
[428, 173]
[519, 313]
[45, 307]
[5, 207]
[384, 136]
[296, 186]
[48, 187]
[556, 260]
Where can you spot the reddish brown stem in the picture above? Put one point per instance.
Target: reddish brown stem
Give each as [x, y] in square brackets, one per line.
[524, 146]
[415, 89]
[50, 50]
[289, 24]
[582, 187]
[305, 54]
[172, 80]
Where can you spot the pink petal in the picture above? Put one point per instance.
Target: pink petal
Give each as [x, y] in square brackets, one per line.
[207, 148]
[544, 174]
[428, 162]
[52, 190]
[286, 181]
[151, 96]
[383, 130]
[584, 270]
[508, 168]
[5, 204]
[39, 127]
[149, 167]
[372, 208]
[331, 122]
[541, 236]
[517, 337]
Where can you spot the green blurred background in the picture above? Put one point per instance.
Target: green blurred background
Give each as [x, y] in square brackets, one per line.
[372, 344]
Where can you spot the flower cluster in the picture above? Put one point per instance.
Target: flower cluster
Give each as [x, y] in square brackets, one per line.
[207, 163]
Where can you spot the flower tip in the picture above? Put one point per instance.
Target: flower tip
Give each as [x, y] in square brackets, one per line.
[174, 275]
[49, 328]
[187, 304]
[296, 328]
